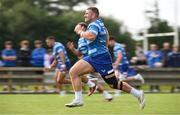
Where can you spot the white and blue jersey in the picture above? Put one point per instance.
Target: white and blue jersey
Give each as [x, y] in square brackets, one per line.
[98, 54]
[118, 48]
[82, 46]
[124, 64]
[57, 48]
[98, 46]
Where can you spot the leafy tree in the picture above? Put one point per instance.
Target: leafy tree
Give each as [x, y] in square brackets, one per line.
[160, 26]
[32, 19]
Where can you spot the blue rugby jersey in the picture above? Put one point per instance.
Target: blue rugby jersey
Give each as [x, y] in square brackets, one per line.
[82, 46]
[98, 46]
[11, 52]
[119, 49]
[153, 57]
[37, 57]
[57, 48]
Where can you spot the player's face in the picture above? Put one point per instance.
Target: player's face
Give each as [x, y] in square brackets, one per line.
[111, 43]
[153, 47]
[49, 42]
[88, 16]
[8, 46]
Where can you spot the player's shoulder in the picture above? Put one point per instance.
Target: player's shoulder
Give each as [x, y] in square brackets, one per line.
[58, 45]
[118, 45]
[95, 24]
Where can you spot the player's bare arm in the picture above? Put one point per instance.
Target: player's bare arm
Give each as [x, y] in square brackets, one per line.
[107, 38]
[85, 34]
[70, 46]
[62, 56]
[9, 57]
[118, 60]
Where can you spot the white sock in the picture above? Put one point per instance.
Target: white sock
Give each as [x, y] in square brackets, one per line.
[90, 83]
[78, 96]
[105, 93]
[136, 76]
[135, 92]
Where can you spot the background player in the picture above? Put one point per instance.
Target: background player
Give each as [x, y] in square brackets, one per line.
[121, 63]
[61, 62]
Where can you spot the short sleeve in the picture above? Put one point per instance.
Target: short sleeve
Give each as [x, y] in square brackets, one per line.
[59, 49]
[3, 53]
[93, 29]
[118, 49]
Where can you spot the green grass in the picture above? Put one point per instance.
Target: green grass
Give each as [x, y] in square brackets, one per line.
[126, 104]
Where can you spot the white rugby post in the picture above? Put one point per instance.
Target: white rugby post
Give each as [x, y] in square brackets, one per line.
[176, 36]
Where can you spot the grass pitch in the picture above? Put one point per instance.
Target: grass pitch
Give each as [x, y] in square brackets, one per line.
[156, 104]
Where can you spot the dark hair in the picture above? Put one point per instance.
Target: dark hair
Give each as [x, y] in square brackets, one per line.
[37, 42]
[83, 24]
[95, 10]
[112, 38]
[51, 38]
[8, 43]
[49, 50]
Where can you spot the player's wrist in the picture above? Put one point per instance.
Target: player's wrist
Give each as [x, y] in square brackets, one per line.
[63, 66]
[80, 32]
[49, 67]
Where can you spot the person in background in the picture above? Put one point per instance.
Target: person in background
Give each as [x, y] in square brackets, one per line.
[1, 63]
[154, 56]
[154, 60]
[121, 65]
[174, 57]
[37, 55]
[139, 58]
[165, 51]
[23, 58]
[9, 60]
[24, 54]
[48, 58]
[173, 60]
[9, 55]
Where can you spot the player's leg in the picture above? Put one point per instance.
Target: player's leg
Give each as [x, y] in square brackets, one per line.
[132, 75]
[119, 77]
[94, 78]
[105, 93]
[126, 73]
[79, 68]
[87, 81]
[113, 82]
[60, 80]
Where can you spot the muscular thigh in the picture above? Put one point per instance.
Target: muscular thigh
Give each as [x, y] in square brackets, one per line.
[82, 67]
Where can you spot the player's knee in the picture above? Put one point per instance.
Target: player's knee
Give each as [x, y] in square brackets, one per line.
[59, 81]
[71, 72]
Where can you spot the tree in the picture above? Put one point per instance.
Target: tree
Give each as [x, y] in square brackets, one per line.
[160, 26]
[31, 20]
